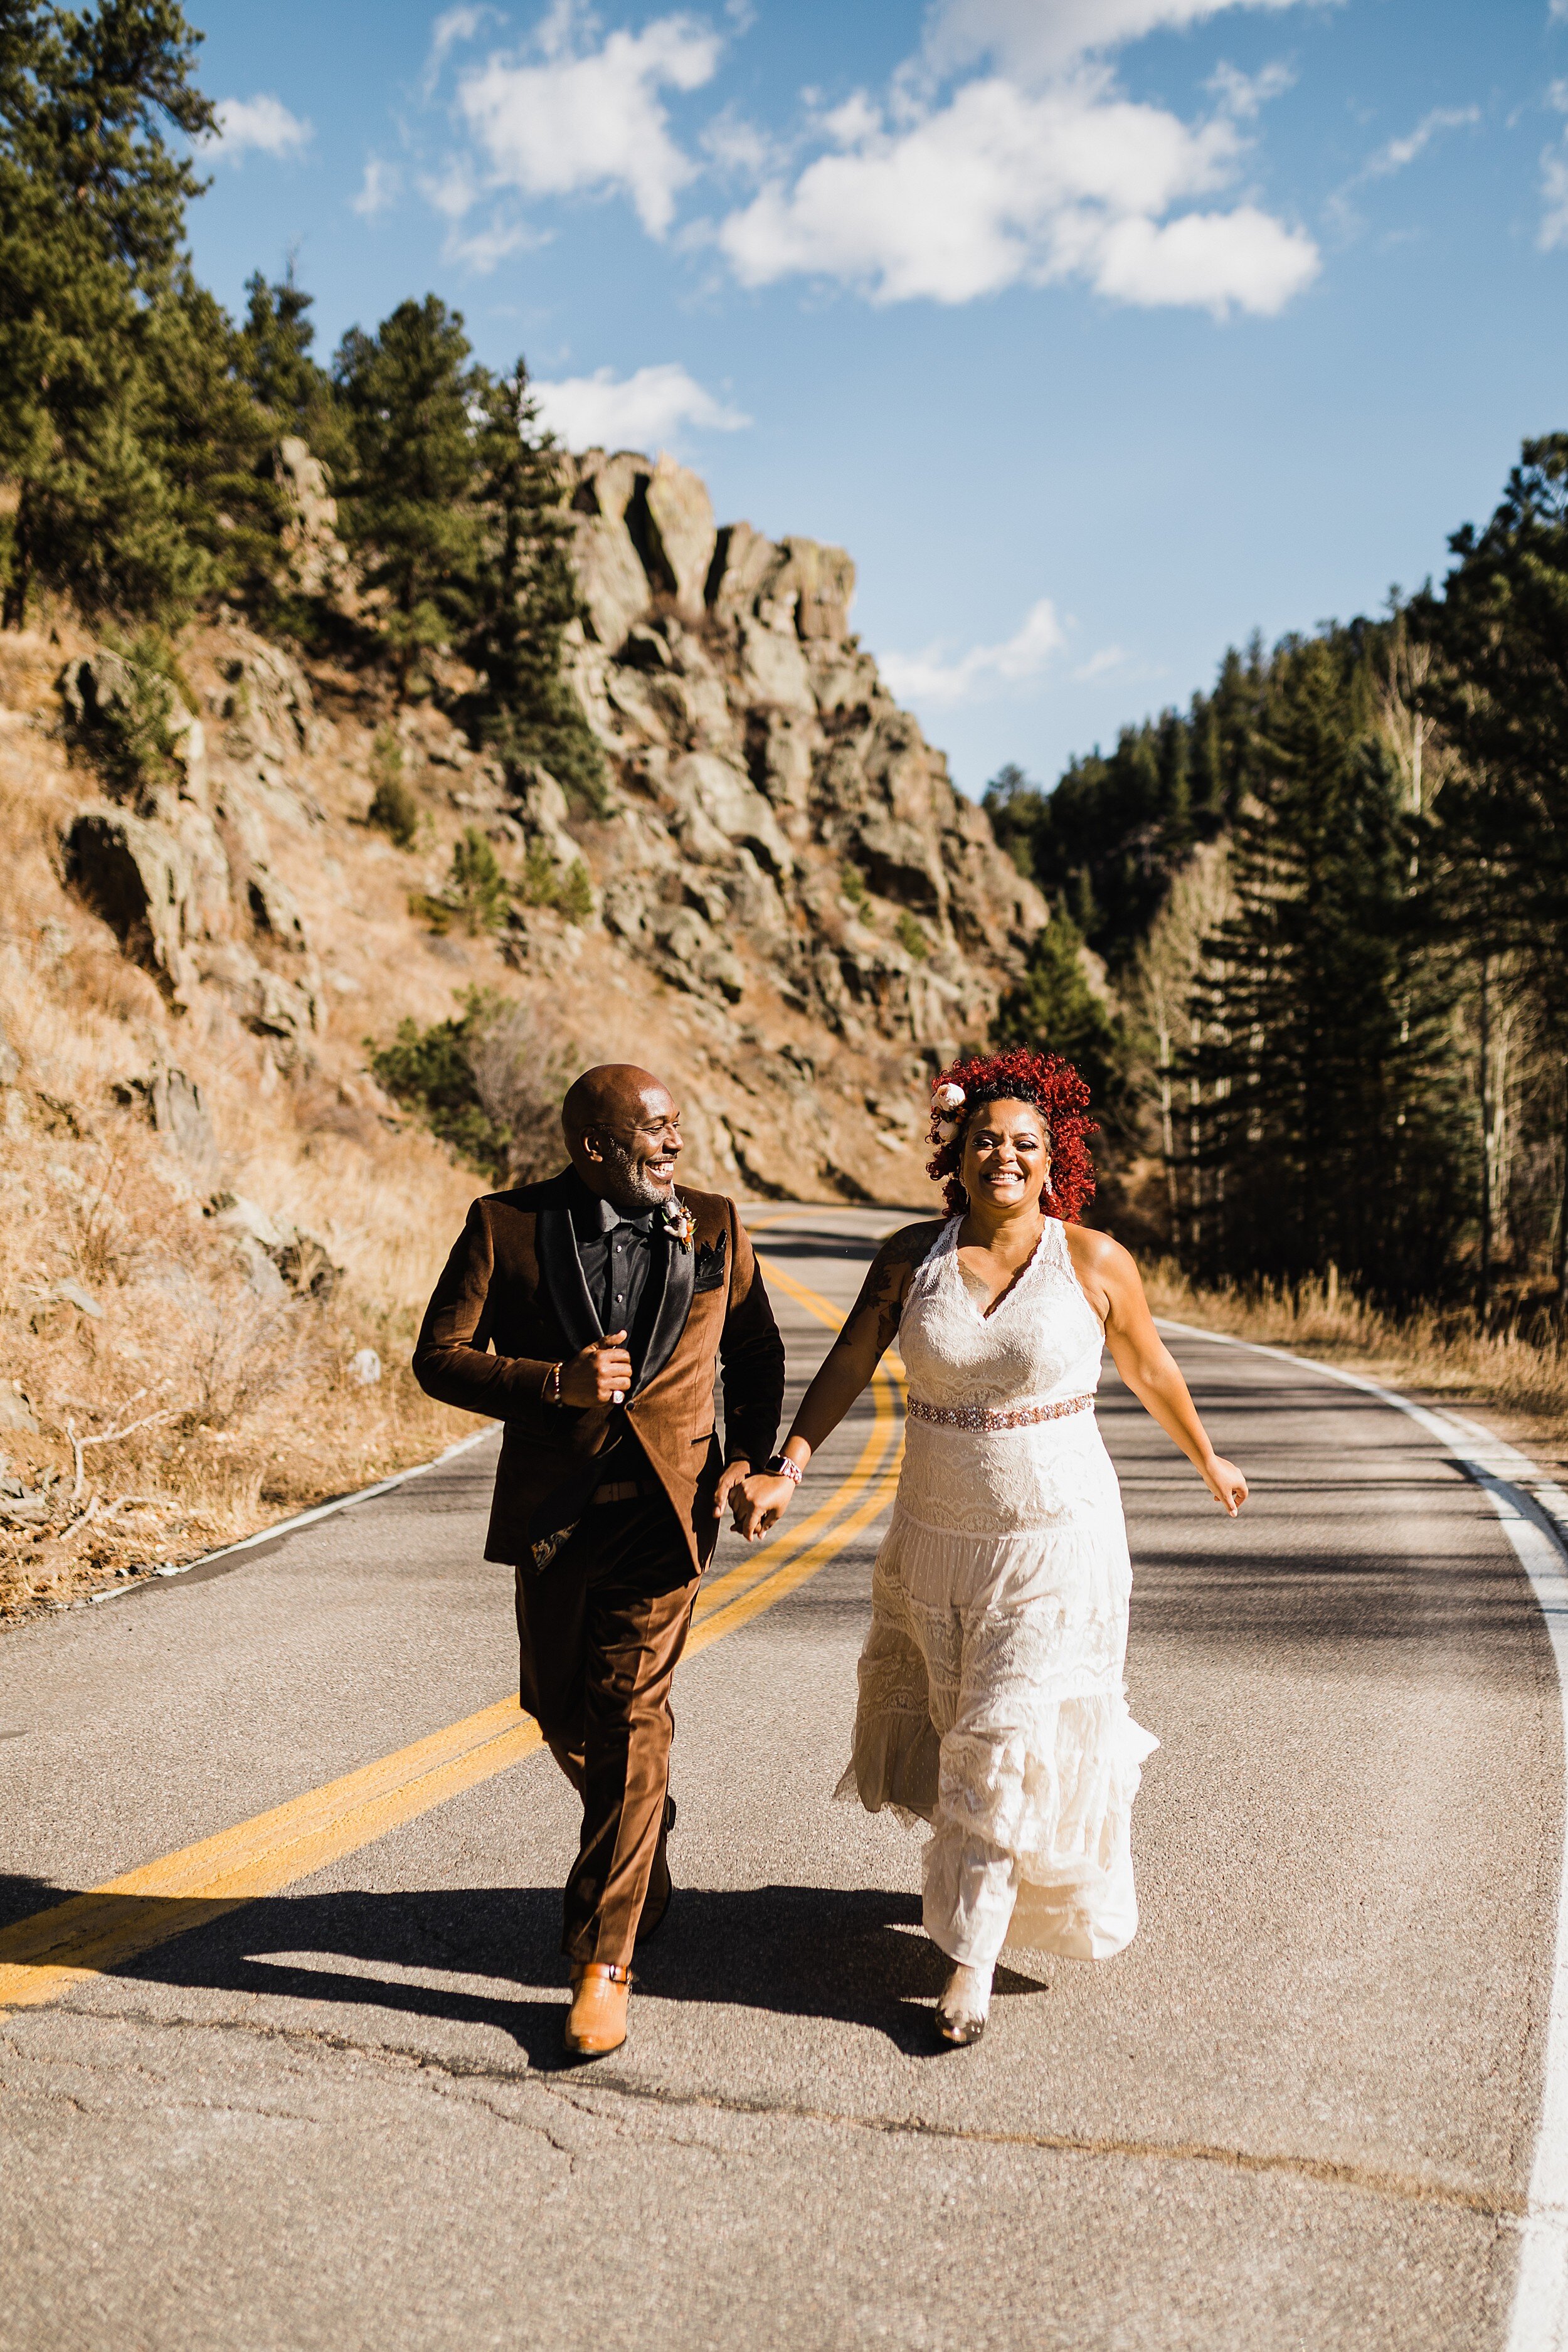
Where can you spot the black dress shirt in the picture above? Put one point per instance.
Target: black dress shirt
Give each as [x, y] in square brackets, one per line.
[623, 1259]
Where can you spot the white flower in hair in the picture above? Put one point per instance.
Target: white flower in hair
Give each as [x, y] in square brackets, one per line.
[946, 1129]
[948, 1099]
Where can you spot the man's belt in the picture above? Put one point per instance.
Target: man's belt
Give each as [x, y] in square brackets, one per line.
[623, 1490]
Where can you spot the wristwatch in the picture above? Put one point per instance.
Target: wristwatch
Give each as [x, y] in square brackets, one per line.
[781, 1467]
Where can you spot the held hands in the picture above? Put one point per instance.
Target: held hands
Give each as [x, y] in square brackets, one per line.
[1224, 1483]
[600, 1374]
[758, 1503]
[733, 1475]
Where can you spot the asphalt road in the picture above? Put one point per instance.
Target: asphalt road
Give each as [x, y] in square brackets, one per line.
[1298, 2111]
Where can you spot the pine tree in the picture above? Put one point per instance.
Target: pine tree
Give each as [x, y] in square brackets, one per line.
[1015, 806]
[92, 222]
[527, 596]
[1331, 1135]
[1055, 1009]
[1500, 695]
[213, 443]
[409, 506]
[282, 378]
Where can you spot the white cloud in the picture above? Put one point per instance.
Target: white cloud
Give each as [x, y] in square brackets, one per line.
[936, 679]
[482, 249]
[378, 189]
[641, 411]
[1398, 153]
[1552, 234]
[1245, 95]
[1035, 37]
[1557, 13]
[263, 123]
[1001, 185]
[586, 119]
[452, 189]
[1206, 261]
[451, 28]
[1100, 665]
[738, 147]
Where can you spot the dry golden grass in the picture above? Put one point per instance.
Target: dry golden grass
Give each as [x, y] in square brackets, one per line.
[188, 1409]
[1521, 1383]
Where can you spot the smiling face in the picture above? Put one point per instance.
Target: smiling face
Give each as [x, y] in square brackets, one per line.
[624, 1134]
[1006, 1156]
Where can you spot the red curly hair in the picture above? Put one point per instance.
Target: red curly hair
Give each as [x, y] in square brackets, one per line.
[1056, 1092]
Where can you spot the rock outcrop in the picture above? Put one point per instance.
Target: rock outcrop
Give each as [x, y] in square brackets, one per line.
[781, 822]
[781, 899]
[319, 563]
[178, 858]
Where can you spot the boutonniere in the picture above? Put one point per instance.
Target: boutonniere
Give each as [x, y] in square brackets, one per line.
[678, 1221]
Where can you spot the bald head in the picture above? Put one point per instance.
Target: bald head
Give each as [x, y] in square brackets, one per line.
[623, 1132]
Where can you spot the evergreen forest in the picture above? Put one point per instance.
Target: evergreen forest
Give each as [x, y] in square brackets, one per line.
[1330, 902]
[141, 427]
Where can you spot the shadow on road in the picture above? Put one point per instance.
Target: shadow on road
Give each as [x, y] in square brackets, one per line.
[853, 1956]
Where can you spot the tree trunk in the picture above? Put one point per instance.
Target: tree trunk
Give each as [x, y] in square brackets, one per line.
[1485, 1287]
[1168, 1132]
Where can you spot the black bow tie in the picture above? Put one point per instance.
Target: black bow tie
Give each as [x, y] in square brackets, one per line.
[638, 1221]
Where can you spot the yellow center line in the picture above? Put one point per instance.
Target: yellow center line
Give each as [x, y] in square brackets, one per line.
[720, 1592]
[786, 1580]
[42, 1957]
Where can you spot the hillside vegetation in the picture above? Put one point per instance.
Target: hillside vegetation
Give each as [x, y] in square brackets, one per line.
[1331, 899]
[367, 764]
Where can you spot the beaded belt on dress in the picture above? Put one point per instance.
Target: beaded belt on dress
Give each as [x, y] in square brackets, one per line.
[980, 1416]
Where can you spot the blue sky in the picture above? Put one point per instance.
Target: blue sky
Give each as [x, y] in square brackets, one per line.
[1100, 331]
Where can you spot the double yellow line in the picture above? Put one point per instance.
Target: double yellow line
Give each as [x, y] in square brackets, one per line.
[42, 1957]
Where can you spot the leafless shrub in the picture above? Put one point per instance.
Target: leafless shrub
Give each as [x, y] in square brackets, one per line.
[523, 1064]
[322, 1107]
[253, 1349]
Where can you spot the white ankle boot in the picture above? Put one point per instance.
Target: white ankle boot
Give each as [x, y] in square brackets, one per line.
[965, 2005]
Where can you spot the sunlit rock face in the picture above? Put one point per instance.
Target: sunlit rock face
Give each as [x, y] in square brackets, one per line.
[768, 784]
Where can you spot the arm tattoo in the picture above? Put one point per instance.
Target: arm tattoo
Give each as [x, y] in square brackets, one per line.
[881, 1299]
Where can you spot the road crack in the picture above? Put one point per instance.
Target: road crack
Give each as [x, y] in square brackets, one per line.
[1332, 2172]
[1414, 2189]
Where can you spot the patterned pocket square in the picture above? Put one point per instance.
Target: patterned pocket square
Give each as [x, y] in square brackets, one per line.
[707, 1274]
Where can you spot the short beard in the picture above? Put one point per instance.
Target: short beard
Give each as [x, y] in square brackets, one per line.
[627, 1186]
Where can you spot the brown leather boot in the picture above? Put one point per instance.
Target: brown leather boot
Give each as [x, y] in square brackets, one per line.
[597, 2022]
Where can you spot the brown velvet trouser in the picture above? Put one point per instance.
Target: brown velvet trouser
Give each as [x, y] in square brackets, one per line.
[600, 1630]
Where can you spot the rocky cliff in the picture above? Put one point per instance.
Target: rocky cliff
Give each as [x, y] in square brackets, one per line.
[218, 1228]
[791, 907]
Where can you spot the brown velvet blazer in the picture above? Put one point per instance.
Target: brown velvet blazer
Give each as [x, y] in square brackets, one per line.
[512, 1303]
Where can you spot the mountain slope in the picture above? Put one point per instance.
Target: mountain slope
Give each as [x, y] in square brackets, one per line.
[219, 1227]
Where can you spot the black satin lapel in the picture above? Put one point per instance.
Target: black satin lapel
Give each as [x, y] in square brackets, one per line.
[673, 1309]
[565, 1287]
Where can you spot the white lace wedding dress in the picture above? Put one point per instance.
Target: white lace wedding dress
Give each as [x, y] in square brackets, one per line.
[991, 1703]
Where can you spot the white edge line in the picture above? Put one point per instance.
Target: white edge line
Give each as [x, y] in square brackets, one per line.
[1512, 1482]
[302, 1519]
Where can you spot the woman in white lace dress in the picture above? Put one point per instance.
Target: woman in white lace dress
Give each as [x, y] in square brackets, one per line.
[991, 1703]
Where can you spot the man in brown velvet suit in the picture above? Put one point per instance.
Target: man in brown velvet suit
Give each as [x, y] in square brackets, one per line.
[587, 1314]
